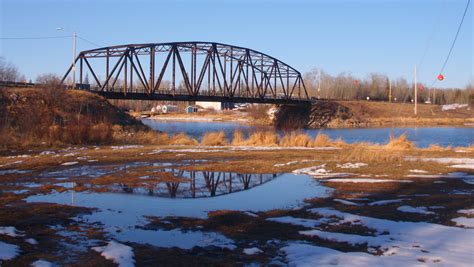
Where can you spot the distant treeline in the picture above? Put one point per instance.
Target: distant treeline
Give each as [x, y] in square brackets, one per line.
[377, 87]
[343, 86]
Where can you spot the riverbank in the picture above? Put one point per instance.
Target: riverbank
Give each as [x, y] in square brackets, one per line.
[359, 201]
[348, 114]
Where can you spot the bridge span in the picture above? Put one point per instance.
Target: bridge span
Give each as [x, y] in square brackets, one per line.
[187, 71]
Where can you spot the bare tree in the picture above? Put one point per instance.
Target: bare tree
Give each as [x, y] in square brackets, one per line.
[9, 72]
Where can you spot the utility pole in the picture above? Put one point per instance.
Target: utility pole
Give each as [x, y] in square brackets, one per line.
[416, 95]
[319, 85]
[74, 63]
[389, 91]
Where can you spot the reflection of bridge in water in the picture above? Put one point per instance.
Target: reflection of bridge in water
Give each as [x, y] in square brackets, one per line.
[199, 184]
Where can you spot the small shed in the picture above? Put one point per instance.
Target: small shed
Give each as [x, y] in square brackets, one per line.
[191, 109]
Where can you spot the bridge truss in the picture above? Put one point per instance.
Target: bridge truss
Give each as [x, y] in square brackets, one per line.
[189, 71]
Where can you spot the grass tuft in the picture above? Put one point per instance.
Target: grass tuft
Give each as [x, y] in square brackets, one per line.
[214, 139]
[183, 139]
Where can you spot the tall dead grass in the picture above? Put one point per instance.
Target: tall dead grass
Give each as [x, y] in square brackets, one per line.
[370, 154]
[296, 140]
[214, 139]
[322, 140]
[183, 139]
[238, 139]
[400, 143]
[267, 138]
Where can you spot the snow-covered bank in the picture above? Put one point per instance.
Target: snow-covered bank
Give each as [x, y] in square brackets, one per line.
[400, 244]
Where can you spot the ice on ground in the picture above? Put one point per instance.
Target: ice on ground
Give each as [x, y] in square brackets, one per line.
[463, 221]
[70, 163]
[118, 253]
[42, 263]
[418, 171]
[385, 202]
[31, 241]
[366, 180]
[401, 243]
[351, 165]
[251, 214]
[467, 212]
[463, 166]
[9, 231]
[347, 202]
[125, 147]
[292, 162]
[319, 171]
[252, 251]
[453, 106]
[410, 209]
[308, 223]
[446, 160]
[8, 251]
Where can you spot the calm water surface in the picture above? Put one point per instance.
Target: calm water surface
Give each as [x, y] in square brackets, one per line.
[422, 137]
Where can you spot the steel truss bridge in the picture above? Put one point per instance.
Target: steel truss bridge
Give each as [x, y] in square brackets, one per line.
[188, 71]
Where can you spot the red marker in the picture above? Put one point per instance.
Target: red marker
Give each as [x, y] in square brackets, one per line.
[440, 77]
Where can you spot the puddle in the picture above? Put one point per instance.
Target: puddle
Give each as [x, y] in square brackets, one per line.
[285, 191]
[123, 215]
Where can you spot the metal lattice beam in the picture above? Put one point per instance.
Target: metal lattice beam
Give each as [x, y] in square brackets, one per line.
[187, 70]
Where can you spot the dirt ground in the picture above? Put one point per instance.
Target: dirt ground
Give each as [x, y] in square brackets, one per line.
[26, 167]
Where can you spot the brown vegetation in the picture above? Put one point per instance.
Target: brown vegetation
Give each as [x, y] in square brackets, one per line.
[54, 116]
[214, 139]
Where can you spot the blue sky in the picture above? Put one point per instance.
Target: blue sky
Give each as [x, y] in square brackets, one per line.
[358, 36]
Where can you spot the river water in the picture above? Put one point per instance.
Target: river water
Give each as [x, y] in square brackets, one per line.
[421, 136]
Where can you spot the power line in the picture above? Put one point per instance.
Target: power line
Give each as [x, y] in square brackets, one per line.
[456, 37]
[35, 38]
[88, 41]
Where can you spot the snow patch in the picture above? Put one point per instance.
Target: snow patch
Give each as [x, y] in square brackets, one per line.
[252, 251]
[319, 171]
[9, 231]
[385, 202]
[31, 241]
[70, 163]
[467, 212]
[463, 166]
[351, 165]
[410, 209]
[347, 202]
[463, 221]
[42, 263]
[8, 251]
[118, 253]
[364, 180]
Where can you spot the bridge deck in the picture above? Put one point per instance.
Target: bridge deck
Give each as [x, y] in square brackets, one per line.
[207, 98]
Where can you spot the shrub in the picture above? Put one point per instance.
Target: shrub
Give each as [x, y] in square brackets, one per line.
[321, 140]
[214, 139]
[262, 139]
[183, 139]
[238, 138]
[295, 140]
[400, 143]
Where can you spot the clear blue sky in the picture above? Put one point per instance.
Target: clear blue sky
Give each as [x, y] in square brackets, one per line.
[358, 36]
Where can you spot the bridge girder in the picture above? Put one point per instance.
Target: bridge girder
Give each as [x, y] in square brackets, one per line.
[215, 69]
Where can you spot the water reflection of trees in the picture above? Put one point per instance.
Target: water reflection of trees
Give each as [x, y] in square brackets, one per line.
[197, 184]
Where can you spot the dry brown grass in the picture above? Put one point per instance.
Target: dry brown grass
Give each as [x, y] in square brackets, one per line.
[183, 139]
[296, 140]
[370, 154]
[438, 148]
[400, 143]
[322, 140]
[214, 139]
[262, 139]
[238, 138]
